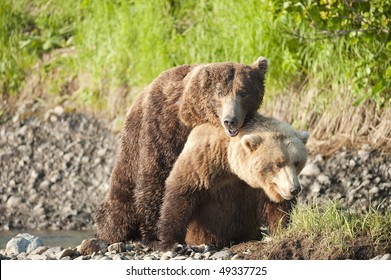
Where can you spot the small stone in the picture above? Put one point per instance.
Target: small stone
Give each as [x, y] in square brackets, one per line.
[40, 250]
[117, 247]
[170, 254]
[58, 110]
[180, 258]
[237, 257]
[221, 255]
[373, 190]
[315, 187]
[310, 170]
[207, 255]
[386, 257]
[364, 155]
[94, 245]
[323, 179]
[197, 256]
[13, 202]
[37, 257]
[66, 253]
[101, 152]
[53, 251]
[365, 183]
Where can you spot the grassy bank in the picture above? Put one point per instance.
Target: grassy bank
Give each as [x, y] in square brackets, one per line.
[326, 232]
[330, 70]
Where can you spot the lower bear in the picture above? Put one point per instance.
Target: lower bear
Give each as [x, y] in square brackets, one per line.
[222, 190]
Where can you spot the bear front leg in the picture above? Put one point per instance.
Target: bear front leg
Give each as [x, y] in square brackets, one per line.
[177, 210]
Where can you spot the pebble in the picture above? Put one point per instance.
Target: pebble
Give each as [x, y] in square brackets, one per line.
[223, 254]
[94, 245]
[310, 170]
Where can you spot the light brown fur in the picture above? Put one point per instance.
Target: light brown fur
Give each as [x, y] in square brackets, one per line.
[221, 189]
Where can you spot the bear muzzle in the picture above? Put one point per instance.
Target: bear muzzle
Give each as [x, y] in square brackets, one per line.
[295, 190]
[231, 126]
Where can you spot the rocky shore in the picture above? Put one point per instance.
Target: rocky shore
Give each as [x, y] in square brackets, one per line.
[55, 170]
[28, 247]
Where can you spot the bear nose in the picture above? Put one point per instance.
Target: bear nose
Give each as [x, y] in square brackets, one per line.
[295, 190]
[230, 122]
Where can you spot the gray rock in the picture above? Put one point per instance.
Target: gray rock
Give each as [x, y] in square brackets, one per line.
[40, 250]
[364, 155]
[310, 170]
[180, 257]
[373, 190]
[58, 110]
[37, 257]
[169, 255]
[52, 252]
[323, 179]
[66, 253]
[386, 257]
[223, 254]
[23, 242]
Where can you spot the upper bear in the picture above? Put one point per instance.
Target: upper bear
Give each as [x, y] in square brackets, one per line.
[221, 189]
[156, 128]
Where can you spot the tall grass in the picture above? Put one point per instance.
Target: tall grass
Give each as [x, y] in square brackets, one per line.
[123, 45]
[335, 225]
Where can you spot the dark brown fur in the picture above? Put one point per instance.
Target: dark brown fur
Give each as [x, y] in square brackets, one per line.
[155, 131]
[206, 201]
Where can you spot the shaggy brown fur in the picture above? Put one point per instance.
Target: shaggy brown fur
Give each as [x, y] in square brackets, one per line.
[156, 129]
[221, 190]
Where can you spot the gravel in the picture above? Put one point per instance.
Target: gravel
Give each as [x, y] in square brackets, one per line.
[55, 169]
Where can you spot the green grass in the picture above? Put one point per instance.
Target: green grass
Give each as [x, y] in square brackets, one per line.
[332, 228]
[120, 46]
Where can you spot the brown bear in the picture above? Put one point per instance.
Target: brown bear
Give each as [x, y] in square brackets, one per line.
[221, 190]
[156, 128]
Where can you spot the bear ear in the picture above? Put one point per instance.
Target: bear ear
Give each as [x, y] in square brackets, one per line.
[251, 142]
[303, 136]
[261, 64]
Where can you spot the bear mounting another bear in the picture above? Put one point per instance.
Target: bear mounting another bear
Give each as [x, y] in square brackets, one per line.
[225, 95]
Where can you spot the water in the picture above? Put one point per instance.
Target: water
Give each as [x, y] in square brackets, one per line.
[63, 238]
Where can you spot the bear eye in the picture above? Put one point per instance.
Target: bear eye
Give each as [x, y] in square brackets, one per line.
[280, 164]
[297, 163]
[242, 93]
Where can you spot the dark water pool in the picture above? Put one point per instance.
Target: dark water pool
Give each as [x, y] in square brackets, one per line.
[50, 238]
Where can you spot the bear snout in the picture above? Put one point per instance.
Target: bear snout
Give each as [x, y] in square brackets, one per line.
[231, 126]
[295, 190]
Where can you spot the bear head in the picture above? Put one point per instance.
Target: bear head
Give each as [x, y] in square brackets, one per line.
[225, 94]
[270, 157]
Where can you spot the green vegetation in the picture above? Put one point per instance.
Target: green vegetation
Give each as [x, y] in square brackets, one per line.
[327, 232]
[336, 225]
[328, 59]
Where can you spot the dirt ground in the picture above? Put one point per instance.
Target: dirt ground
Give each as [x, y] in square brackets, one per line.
[302, 248]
